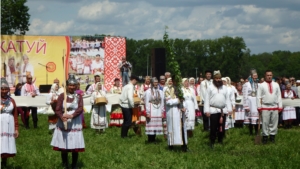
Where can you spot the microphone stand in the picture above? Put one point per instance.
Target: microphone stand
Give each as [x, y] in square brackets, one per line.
[46, 71]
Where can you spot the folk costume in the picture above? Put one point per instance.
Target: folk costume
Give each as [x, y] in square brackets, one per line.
[249, 102]
[52, 102]
[269, 102]
[98, 117]
[29, 89]
[154, 103]
[191, 105]
[176, 126]
[216, 100]
[231, 91]
[116, 116]
[239, 110]
[9, 125]
[70, 139]
[203, 88]
[289, 112]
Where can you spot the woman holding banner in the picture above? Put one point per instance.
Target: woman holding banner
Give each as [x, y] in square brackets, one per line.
[9, 124]
[69, 139]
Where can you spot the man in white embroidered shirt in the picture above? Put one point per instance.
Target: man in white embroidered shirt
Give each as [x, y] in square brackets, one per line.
[127, 103]
[269, 104]
[29, 89]
[216, 100]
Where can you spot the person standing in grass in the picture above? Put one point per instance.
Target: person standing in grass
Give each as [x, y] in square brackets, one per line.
[269, 103]
[70, 139]
[98, 117]
[216, 100]
[127, 103]
[289, 112]
[203, 88]
[9, 124]
[154, 103]
[249, 101]
[191, 104]
[176, 127]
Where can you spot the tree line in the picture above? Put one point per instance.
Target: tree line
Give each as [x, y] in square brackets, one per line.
[228, 54]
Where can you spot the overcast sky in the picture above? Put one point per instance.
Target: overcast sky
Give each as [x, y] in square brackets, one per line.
[265, 25]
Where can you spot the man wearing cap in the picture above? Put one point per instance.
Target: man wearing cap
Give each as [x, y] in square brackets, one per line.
[29, 89]
[269, 103]
[154, 103]
[127, 103]
[25, 69]
[125, 69]
[203, 87]
[216, 100]
[92, 87]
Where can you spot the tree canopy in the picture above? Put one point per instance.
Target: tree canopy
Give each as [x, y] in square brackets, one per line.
[14, 17]
[230, 55]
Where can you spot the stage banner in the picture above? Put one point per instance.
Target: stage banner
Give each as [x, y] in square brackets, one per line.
[39, 56]
[115, 49]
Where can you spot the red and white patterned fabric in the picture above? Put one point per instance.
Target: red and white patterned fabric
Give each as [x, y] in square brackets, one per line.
[115, 49]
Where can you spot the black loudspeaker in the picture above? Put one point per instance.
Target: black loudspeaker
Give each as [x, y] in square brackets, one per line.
[158, 62]
[45, 88]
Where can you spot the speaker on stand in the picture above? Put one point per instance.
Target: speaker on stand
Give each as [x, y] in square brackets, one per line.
[158, 62]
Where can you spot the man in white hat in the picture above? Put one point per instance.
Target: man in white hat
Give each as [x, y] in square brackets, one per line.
[269, 103]
[216, 100]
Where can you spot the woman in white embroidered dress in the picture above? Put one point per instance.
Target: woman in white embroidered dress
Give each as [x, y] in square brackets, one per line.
[69, 139]
[9, 124]
[289, 112]
[98, 117]
[190, 103]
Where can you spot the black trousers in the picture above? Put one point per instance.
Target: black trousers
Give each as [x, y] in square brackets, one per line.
[215, 127]
[127, 121]
[205, 119]
[33, 113]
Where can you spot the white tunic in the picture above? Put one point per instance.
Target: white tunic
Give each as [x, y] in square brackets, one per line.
[154, 102]
[50, 97]
[98, 117]
[191, 105]
[203, 88]
[217, 99]
[8, 143]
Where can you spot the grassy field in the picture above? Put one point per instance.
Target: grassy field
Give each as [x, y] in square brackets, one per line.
[110, 151]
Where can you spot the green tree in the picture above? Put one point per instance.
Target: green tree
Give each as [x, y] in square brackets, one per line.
[14, 17]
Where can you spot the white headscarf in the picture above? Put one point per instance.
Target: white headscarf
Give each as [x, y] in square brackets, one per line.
[53, 90]
[168, 80]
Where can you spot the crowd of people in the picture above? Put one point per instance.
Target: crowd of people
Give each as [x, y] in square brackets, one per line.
[158, 104]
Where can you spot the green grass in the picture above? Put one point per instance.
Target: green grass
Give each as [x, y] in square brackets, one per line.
[110, 151]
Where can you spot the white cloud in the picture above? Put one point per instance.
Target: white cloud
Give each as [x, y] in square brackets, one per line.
[263, 27]
[49, 28]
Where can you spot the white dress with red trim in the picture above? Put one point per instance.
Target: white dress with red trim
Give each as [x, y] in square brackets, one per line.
[98, 117]
[288, 112]
[116, 116]
[71, 139]
[8, 143]
[249, 102]
[154, 103]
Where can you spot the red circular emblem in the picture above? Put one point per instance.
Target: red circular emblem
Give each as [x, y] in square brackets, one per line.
[51, 66]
